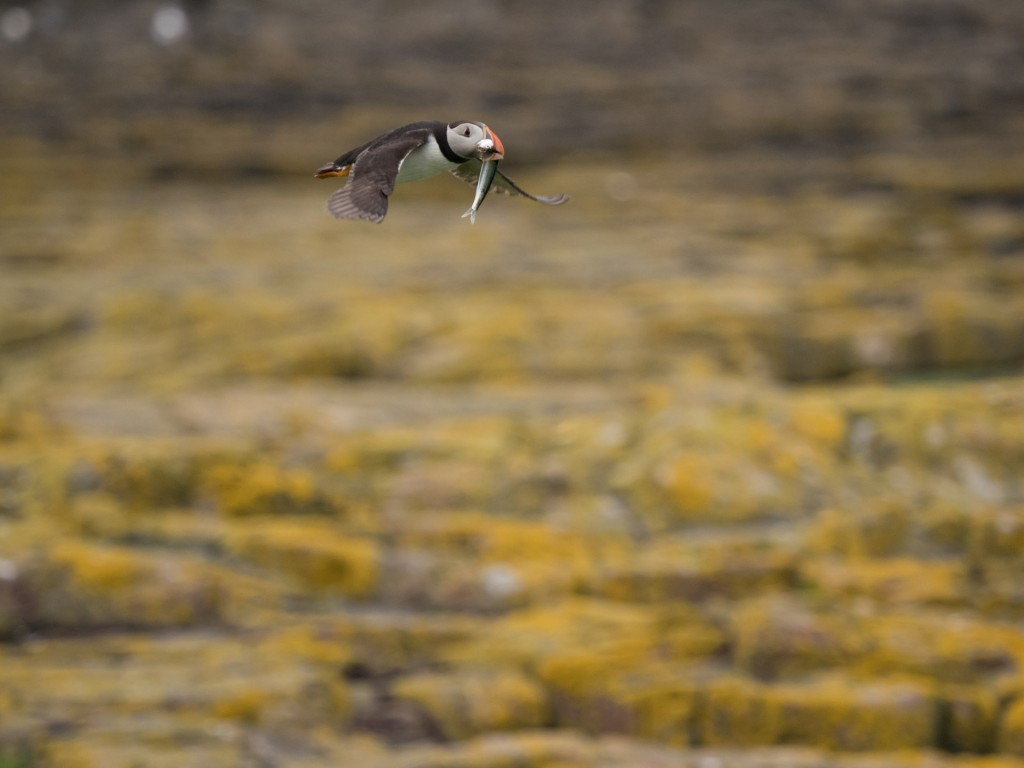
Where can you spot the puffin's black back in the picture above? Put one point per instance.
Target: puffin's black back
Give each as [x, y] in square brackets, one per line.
[375, 168]
[436, 127]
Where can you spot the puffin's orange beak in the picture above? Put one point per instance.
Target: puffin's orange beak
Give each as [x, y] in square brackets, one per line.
[496, 150]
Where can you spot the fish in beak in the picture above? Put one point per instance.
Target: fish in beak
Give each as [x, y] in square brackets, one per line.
[490, 146]
[483, 185]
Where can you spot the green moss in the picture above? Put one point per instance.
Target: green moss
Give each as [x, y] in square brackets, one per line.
[18, 757]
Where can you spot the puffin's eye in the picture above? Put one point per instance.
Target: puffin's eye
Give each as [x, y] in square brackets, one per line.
[465, 131]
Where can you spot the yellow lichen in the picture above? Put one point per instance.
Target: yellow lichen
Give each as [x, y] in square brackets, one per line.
[85, 585]
[737, 712]
[101, 568]
[894, 581]
[663, 701]
[469, 703]
[245, 705]
[820, 421]
[261, 488]
[320, 645]
[526, 638]
[145, 477]
[969, 716]
[626, 434]
[315, 555]
[777, 639]
[690, 482]
[846, 715]
[1010, 738]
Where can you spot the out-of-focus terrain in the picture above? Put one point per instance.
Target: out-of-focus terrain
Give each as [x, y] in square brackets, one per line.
[720, 464]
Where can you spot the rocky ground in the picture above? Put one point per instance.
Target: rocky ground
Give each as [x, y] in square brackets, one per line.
[718, 465]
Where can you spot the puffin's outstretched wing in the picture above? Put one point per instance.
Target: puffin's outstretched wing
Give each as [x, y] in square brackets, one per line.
[372, 172]
[469, 171]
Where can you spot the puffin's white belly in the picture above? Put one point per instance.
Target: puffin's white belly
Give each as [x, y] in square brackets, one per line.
[423, 162]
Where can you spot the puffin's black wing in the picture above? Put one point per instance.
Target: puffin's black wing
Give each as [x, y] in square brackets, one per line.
[372, 172]
[469, 171]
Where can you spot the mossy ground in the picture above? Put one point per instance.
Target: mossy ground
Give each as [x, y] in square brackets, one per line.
[714, 466]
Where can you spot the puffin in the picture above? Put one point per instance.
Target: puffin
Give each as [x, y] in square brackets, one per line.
[466, 148]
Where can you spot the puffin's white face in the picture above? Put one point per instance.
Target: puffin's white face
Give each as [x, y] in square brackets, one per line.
[471, 139]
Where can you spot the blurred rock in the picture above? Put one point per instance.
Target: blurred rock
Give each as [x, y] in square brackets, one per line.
[781, 73]
[312, 554]
[718, 466]
[464, 705]
[1011, 730]
[78, 587]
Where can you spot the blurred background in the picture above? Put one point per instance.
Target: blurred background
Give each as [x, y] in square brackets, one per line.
[717, 465]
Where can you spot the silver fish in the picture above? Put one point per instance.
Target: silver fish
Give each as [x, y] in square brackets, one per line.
[483, 185]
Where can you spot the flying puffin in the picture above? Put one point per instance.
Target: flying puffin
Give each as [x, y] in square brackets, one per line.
[419, 151]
